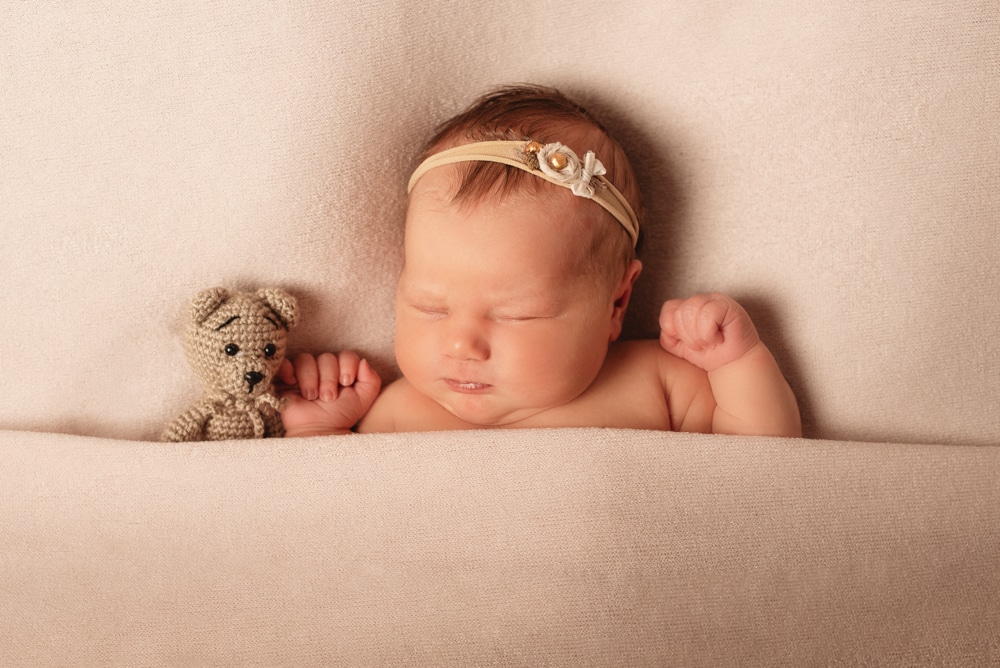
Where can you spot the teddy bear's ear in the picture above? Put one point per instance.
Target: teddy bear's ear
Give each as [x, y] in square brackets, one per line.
[207, 302]
[283, 304]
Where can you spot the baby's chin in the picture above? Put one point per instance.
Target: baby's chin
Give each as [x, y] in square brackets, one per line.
[483, 417]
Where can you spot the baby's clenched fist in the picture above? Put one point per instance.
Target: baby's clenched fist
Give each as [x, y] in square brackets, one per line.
[708, 330]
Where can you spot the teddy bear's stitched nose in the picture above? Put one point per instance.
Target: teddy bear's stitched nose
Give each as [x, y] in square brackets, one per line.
[252, 378]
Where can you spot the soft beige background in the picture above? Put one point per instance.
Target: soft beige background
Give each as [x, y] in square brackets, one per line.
[833, 165]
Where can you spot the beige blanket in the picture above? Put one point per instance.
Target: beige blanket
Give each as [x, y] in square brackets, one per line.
[833, 166]
[579, 547]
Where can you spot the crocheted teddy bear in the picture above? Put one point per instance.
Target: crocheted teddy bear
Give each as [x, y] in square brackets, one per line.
[235, 342]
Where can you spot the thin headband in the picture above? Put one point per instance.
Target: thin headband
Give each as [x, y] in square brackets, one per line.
[555, 163]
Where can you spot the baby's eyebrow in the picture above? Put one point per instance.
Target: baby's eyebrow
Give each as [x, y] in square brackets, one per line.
[420, 292]
[219, 328]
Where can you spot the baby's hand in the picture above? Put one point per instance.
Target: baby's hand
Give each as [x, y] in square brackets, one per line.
[709, 330]
[326, 394]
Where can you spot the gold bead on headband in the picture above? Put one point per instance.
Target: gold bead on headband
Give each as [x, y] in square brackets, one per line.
[554, 162]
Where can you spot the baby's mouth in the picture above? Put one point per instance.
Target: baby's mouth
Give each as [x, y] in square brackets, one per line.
[467, 386]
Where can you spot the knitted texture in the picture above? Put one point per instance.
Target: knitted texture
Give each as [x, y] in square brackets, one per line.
[235, 342]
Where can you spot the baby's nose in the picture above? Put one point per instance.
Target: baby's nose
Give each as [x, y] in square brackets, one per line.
[468, 343]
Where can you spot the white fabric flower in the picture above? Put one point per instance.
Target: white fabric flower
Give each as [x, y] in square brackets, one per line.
[577, 176]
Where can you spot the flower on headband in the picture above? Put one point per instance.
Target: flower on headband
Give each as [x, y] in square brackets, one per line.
[562, 164]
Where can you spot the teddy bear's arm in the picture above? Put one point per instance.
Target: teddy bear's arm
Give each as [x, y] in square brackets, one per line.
[273, 426]
[188, 426]
[270, 407]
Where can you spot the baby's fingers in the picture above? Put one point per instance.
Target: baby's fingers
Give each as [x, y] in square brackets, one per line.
[695, 322]
[337, 371]
[669, 318]
[667, 312]
[678, 324]
[669, 336]
[708, 320]
[306, 374]
[349, 362]
[286, 372]
[328, 382]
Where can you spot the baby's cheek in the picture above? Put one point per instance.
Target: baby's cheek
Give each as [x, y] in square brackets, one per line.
[412, 347]
[589, 350]
[542, 352]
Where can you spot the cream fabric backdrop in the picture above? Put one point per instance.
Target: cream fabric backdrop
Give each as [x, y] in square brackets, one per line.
[834, 166]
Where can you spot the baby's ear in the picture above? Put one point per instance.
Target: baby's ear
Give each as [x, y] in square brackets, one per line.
[622, 295]
[207, 302]
[283, 304]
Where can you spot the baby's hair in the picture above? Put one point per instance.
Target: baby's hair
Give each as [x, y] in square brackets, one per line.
[542, 114]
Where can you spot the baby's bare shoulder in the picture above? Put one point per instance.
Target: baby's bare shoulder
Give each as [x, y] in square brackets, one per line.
[646, 356]
[381, 416]
[634, 351]
[645, 360]
[642, 369]
[628, 391]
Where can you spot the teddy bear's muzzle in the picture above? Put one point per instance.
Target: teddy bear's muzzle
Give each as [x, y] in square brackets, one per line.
[252, 378]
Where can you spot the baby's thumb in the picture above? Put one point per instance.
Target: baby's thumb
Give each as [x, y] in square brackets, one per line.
[368, 383]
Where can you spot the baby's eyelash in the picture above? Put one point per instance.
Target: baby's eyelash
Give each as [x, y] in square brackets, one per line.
[432, 310]
[517, 318]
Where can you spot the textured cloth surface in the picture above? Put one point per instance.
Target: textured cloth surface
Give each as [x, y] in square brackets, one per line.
[832, 166]
[559, 547]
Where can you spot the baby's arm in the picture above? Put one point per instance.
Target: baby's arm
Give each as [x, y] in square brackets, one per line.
[715, 333]
[327, 394]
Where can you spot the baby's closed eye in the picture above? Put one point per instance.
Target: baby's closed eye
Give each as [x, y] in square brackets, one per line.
[522, 316]
[513, 318]
[430, 310]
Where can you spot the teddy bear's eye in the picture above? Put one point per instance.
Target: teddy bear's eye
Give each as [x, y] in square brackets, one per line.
[270, 349]
[232, 349]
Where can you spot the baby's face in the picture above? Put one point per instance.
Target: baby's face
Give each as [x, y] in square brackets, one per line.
[496, 319]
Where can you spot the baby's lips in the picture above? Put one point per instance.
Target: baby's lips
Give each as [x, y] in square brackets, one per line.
[467, 385]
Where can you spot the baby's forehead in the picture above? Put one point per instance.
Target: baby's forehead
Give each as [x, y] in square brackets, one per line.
[436, 192]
